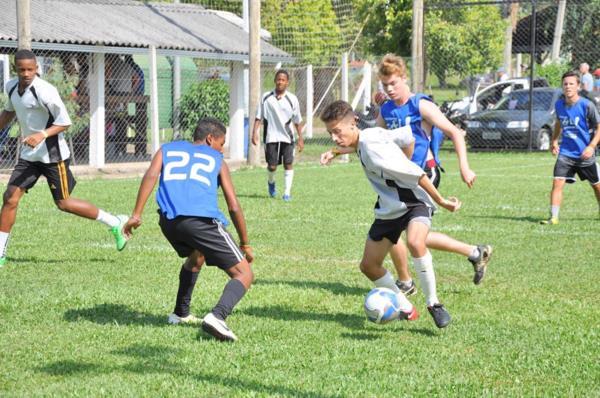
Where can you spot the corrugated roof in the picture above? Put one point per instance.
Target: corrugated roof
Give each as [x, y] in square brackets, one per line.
[127, 23]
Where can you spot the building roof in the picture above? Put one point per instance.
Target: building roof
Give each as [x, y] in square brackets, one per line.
[175, 28]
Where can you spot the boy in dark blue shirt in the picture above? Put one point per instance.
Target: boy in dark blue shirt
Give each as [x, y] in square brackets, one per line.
[579, 123]
[190, 219]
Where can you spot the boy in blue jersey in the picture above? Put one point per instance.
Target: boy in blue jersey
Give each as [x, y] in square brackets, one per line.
[579, 123]
[190, 219]
[428, 126]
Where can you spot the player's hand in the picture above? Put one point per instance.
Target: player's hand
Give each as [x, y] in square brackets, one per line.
[34, 140]
[451, 204]
[554, 148]
[254, 139]
[247, 250]
[468, 177]
[130, 225]
[379, 97]
[588, 152]
[300, 144]
[327, 157]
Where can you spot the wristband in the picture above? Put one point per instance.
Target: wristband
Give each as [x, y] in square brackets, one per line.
[335, 151]
[44, 133]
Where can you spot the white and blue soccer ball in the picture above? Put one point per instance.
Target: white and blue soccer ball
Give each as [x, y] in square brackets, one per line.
[382, 305]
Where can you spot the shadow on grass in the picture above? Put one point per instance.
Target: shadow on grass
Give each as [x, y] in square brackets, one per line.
[369, 335]
[45, 260]
[528, 219]
[281, 313]
[333, 287]
[155, 359]
[119, 314]
[253, 196]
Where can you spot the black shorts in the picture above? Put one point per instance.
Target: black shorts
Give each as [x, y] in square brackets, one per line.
[392, 229]
[59, 177]
[206, 235]
[566, 168]
[278, 153]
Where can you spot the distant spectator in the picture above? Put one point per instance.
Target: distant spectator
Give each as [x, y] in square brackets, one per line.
[587, 81]
[597, 80]
[501, 75]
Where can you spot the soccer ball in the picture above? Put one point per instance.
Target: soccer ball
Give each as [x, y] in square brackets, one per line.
[382, 305]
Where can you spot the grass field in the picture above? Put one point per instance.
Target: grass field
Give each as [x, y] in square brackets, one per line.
[80, 319]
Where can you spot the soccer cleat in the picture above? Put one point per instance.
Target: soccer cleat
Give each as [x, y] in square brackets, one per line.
[550, 221]
[408, 288]
[440, 316]
[481, 262]
[2, 261]
[413, 315]
[286, 198]
[117, 232]
[217, 328]
[175, 319]
[272, 191]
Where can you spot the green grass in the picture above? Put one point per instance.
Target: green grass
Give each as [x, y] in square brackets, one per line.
[80, 319]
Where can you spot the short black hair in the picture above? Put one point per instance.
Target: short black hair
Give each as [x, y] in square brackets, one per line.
[570, 73]
[282, 72]
[335, 111]
[24, 54]
[209, 125]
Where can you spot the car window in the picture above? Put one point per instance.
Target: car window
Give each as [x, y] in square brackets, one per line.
[519, 101]
[491, 96]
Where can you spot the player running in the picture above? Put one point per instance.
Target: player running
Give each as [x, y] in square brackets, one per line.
[190, 219]
[404, 203]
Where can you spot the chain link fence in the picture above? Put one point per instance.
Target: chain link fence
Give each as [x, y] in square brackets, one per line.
[495, 67]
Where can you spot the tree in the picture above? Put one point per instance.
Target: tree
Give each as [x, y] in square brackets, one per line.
[464, 41]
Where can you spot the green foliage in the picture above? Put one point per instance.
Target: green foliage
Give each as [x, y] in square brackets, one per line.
[553, 72]
[306, 29]
[203, 99]
[388, 28]
[464, 41]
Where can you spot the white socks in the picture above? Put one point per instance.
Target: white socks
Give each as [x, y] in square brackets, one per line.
[107, 218]
[424, 269]
[288, 177]
[271, 175]
[3, 243]
[554, 210]
[387, 281]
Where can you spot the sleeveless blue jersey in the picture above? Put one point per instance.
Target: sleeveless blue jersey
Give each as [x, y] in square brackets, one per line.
[189, 181]
[408, 114]
[575, 126]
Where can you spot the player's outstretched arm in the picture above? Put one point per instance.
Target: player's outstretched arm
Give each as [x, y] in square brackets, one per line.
[451, 204]
[432, 114]
[235, 211]
[146, 187]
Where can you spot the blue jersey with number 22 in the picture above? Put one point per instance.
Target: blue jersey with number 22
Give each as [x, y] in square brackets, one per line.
[189, 181]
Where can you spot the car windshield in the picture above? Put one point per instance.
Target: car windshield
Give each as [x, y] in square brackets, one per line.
[519, 101]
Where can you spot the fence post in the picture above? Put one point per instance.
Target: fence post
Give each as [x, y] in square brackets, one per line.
[417, 47]
[344, 158]
[153, 100]
[558, 29]
[308, 127]
[236, 112]
[367, 75]
[531, 70]
[5, 71]
[97, 119]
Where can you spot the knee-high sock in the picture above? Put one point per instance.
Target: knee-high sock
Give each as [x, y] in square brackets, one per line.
[4, 236]
[187, 281]
[232, 294]
[424, 269]
[387, 281]
[271, 176]
[288, 178]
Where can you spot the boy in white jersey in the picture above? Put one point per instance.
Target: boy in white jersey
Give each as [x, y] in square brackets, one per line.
[404, 202]
[42, 119]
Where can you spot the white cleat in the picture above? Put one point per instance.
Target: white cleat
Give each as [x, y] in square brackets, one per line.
[217, 328]
[175, 319]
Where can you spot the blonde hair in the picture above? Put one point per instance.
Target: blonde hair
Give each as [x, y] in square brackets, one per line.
[392, 64]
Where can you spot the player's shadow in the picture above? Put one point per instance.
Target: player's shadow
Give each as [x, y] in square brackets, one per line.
[370, 334]
[529, 219]
[110, 314]
[156, 359]
[45, 260]
[333, 287]
[281, 313]
[252, 195]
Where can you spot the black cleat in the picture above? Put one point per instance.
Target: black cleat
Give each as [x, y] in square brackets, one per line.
[408, 289]
[440, 316]
[481, 262]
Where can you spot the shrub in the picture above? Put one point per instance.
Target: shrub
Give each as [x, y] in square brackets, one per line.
[203, 99]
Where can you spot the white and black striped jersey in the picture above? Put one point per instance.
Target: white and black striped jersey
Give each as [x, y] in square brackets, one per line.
[391, 174]
[38, 108]
[278, 115]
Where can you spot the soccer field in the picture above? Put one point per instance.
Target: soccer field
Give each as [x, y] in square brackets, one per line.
[80, 319]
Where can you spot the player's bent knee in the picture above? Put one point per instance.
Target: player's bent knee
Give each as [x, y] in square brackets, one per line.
[63, 205]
